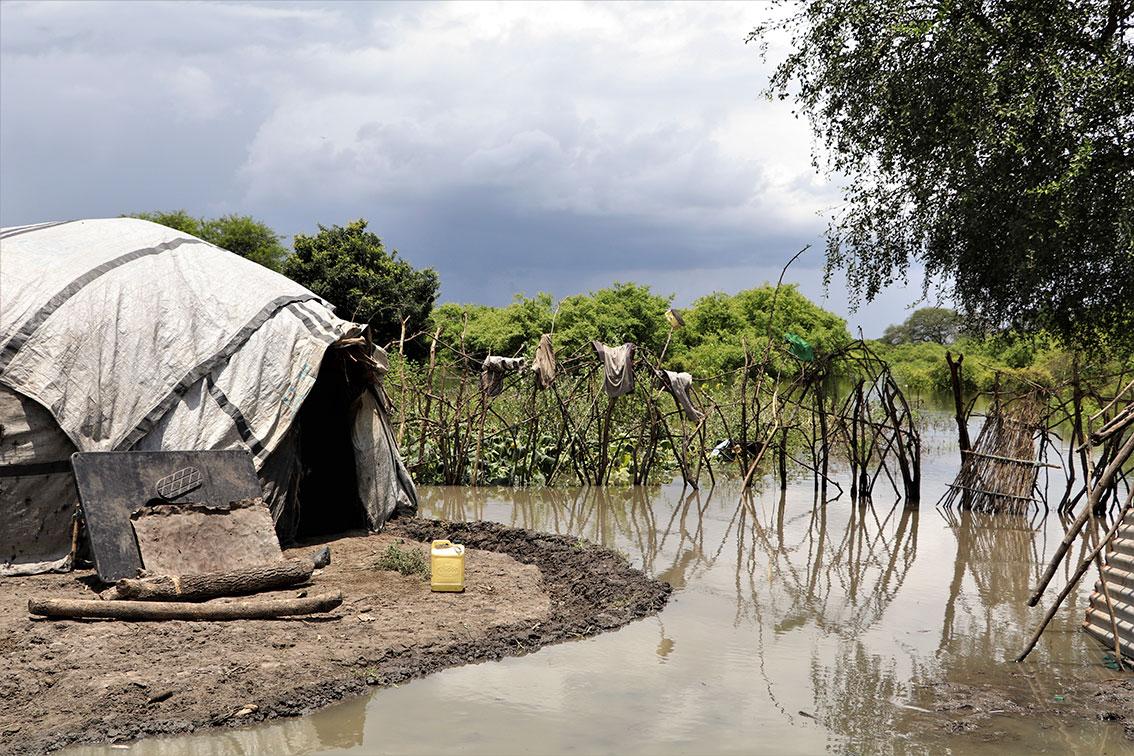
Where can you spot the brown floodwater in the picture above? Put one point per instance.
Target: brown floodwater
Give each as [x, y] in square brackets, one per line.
[793, 628]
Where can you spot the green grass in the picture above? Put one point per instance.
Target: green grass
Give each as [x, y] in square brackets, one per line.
[407, 561]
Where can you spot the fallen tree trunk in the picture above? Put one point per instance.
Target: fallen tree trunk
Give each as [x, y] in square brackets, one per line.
[264, 577]
[173, 610]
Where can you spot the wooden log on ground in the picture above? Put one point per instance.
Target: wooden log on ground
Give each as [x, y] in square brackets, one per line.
[174, 610]
[262, 577]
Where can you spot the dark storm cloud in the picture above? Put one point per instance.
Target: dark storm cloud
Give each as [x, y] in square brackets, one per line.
[553, 148]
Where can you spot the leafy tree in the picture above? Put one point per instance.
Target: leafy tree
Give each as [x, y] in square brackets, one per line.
[176, 219]
[719, 327]
[939, 325]
[246, 237]
[241, 234]
[618, 313]
[456, 320]
[349, 267]
[621, 312]
[895, 334]
[510, 330]
[713, 314]
[989, 141]
[710, 343]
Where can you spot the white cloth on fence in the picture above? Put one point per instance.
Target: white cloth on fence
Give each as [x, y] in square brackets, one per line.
[618, 368]
[493, 371]
[678, 385]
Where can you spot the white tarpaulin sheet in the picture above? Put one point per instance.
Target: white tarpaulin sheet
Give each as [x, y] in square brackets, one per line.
[107, 322]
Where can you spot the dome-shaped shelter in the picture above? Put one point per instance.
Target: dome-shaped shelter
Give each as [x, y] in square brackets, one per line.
[120, 334]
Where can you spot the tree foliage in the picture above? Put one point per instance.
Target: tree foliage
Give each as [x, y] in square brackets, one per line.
[350, 268]
[1016, 361]
[619, 313]
[241, 234]
[988, 140]
[719, 327]
[716, 326]
[939, 325]
[508, 331]
[616, 314]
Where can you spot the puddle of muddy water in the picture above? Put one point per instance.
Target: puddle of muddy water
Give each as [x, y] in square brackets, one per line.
[792, 629]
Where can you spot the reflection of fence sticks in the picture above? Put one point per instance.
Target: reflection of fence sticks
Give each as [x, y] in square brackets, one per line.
[865, 547]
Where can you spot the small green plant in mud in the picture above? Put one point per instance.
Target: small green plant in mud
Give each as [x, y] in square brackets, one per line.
[581, 545]
[407, 561]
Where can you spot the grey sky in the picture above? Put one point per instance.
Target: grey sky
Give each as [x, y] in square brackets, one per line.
[553, 147]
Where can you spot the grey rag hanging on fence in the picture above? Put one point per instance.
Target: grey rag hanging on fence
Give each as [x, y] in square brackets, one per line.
[493, 371]
[678, 385]
[544, 363]
[618, 368]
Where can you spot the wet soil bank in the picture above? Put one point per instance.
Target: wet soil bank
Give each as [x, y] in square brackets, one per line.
[983, 708]
[67, 682]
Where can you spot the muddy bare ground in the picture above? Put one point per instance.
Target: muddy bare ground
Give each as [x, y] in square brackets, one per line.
[66, 682]
[980, 708]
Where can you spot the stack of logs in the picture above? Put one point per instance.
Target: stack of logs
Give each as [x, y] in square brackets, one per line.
[186, 597]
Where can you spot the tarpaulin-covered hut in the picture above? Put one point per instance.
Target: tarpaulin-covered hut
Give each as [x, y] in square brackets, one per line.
[121, 334]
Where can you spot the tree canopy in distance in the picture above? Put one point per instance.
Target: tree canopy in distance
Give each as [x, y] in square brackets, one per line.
[989, 141]
[718, 326]
[937, 325]
[241, 234]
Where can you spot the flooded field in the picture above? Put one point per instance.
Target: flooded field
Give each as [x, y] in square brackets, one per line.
[792, 629]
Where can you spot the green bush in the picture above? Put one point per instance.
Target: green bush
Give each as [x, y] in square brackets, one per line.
[406, 561]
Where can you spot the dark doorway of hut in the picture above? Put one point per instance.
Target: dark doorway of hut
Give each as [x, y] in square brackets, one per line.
[328, 484]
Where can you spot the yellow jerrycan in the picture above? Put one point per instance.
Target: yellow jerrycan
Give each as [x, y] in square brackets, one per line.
[447, 563]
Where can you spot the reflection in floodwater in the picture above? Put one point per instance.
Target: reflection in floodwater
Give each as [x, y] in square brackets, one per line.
[843, 589]
[290, 736]
[844, 578]
[794, 627]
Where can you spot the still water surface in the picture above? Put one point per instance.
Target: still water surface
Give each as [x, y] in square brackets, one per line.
[791, 629]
